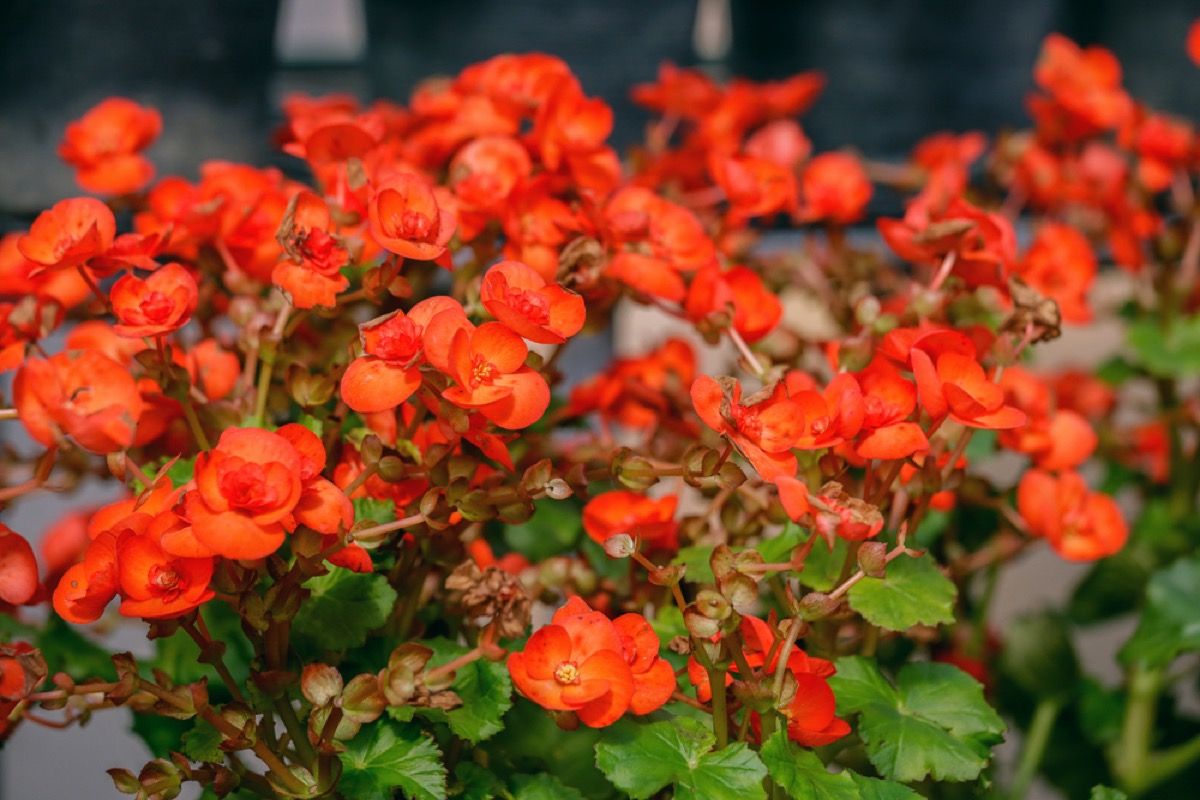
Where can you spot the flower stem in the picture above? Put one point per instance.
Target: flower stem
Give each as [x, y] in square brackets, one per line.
[1035, 746]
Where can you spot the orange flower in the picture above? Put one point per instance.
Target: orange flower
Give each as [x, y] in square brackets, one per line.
[756, 311]
[650, 520]
[663, 238]
[833, 416]
[1085, 90]
[764, 428]
[1081, 525]
[488, 364]
[86, 588]
[754, 187]
[162, 303]
[521, 299]
[1058, 441]
[835, 187]
[310, 275]
[81, 394]
[811, 719]
[576, 663]
[18, 568]
[69, 234]
[213, 370]
[105, 146]
[483, 175]
[154, 584]
[951, 382]
[889, 400]
[983, 243]
[246, 490]
[389, 372]
[638, 392]
[680, 92]
[570, 124]
[653, 676]
[831, 514]
[1193, 42]
[1061, 265]
[407, 219]
[323, 506]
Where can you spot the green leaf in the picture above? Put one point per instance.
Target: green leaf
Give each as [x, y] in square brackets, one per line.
[935, 721]
[485, 688]
[1107, 793]
[372, 510]
[386, 756]
[1169, 625]
[931, 528]
[982, 445]
[779, 548]
[1173, 353]
[542, 787]
[182, 471]
[876, 789]
[342, 608]
[696, 559]
[1115, 371]
[203, 743]
[642, 759]
[913, 592]
[823, 566]
[473, 782]
[804, 777]
[801, 773]
[554, 528]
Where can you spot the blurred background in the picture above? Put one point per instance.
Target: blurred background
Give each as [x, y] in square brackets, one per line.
[218, 70]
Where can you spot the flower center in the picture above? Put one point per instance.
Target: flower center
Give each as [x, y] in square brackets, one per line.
[399, 340]
[156, 307]
[412, 225]
[245, 487]
[482, 371]
[567, 673]
[165, 582]
[531, 305]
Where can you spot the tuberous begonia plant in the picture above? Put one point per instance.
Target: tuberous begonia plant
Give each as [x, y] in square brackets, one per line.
[380, 548]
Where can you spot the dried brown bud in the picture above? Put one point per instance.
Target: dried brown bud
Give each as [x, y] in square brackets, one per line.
[491, 594]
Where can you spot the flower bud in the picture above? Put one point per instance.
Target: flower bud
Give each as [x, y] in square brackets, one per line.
[620, 546]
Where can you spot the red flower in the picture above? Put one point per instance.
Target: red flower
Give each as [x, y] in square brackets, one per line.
[951, 382]
[755, 310]
[520, 298]
[1081, 525]
[162, 303]
[310, 275]
[18, 568]
[154, 584]
[246, 490]
[889, 400]
[650, 520]
[407, 219]
[1061, 265]
[834, 187]
[764, 429]
[488, 365]
[653, 677]
[105, 146]
[388, 372]
[69, 234]
[81, 394]
[577, 663]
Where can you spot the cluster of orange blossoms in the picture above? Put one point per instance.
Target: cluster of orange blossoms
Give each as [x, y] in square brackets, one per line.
[500, 182]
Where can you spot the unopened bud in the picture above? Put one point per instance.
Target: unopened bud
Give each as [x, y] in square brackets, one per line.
[872, 558]
[815, 605]
[620, 546]
[557, 489]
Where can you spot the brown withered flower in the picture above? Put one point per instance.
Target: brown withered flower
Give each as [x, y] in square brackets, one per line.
[490, 594]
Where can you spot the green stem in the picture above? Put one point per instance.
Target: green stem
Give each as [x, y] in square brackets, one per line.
[716, 682]
[1035, 746]
[1130, 755]
[1168, 763]
[296, 730]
